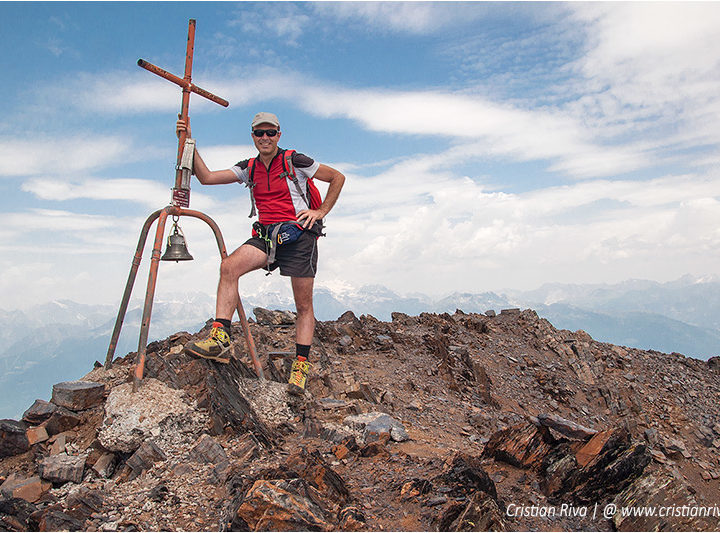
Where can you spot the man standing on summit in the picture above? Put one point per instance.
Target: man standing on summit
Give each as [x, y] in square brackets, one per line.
[290, 222]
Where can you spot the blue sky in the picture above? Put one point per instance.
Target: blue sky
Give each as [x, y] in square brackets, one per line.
[486, 145]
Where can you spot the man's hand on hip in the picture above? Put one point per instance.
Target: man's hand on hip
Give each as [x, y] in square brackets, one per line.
[310, 216]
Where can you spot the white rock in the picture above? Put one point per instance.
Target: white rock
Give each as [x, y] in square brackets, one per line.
[269, 400]
[131, 418]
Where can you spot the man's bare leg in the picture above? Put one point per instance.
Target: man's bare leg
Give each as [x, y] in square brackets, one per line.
[305, 322]
[243, 260]
[304, 329]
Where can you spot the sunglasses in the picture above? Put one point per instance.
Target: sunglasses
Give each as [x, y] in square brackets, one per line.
[269, 133]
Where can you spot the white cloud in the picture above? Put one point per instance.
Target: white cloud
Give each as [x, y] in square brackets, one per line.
[43, 156]
[424, 234]
[145, 192]
[56, 220]
[487, 128]
[651, 68]
[406, 17]
[417, 18]
[224, 156]
[287, 21]
[125, 93]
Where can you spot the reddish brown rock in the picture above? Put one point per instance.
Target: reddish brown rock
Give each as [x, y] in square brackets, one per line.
[18, 515]
[208, 450]
[610, 464]
[13, 438]
[523, 446]
[39, 412]
[59, 442]
[414, 488]
[282, 505]
[78, 395]
[469, 499]
[376, 448]
[479, 513]
[465, 475]
[62, 468]
[312, 468]
[593, 447]
[662, 489]
[656, 396]
[144, 457]
[61, 420]
[568, 428]
[340, 451]
[351, 519]
[82, 502]
[105, 465]
[55, 520]
[611, 471]
[30, 489]
[36, 435]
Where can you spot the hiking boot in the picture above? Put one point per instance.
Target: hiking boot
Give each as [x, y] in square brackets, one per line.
[215, 347]
[298, 377]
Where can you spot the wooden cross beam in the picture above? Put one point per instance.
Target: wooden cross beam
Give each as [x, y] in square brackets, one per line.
[181, 195]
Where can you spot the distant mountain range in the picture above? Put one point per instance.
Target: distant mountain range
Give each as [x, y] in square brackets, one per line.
[61, 340]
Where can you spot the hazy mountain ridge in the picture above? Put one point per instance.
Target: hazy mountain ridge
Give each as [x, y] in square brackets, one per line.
[678, 316]
[691, 300]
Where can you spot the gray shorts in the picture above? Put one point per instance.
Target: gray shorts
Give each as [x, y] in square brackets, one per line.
[296, 259]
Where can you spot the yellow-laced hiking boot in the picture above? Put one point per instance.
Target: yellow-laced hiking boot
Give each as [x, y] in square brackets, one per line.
[298, 377]
[215, 347]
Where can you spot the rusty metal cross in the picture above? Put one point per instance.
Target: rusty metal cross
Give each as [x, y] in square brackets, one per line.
[180, 195]
[180, 201]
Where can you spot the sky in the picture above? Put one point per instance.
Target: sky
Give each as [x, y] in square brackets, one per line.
[485, 145]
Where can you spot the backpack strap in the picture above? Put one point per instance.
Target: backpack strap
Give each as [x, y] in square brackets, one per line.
[251, 185]
[289, 172]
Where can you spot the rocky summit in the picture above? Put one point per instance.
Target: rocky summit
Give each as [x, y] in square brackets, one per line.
[462, 422]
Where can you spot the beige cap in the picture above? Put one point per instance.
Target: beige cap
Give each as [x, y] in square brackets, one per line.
[265, 118]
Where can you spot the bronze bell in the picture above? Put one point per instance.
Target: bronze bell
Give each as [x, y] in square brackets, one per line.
[176, 249]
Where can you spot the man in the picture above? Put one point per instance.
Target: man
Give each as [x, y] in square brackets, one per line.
[279, 199]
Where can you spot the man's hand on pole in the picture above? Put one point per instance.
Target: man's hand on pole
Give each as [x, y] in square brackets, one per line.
[181, 126]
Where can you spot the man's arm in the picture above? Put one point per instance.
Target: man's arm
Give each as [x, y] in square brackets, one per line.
[200, 169]
[336, 181]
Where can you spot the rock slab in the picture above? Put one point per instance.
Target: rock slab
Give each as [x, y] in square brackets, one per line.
[208, 450]
[105, 465]
[37, 434]
[62, 468]
[281, 505]
[570, 429]
[30, 489]
[39, 412]
[144, 457]
[13, 438]
[78, 395]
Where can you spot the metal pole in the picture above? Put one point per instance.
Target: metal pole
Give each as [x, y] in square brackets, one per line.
[185, 98]
[128, 287]
[149, 295]
[249, 340]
